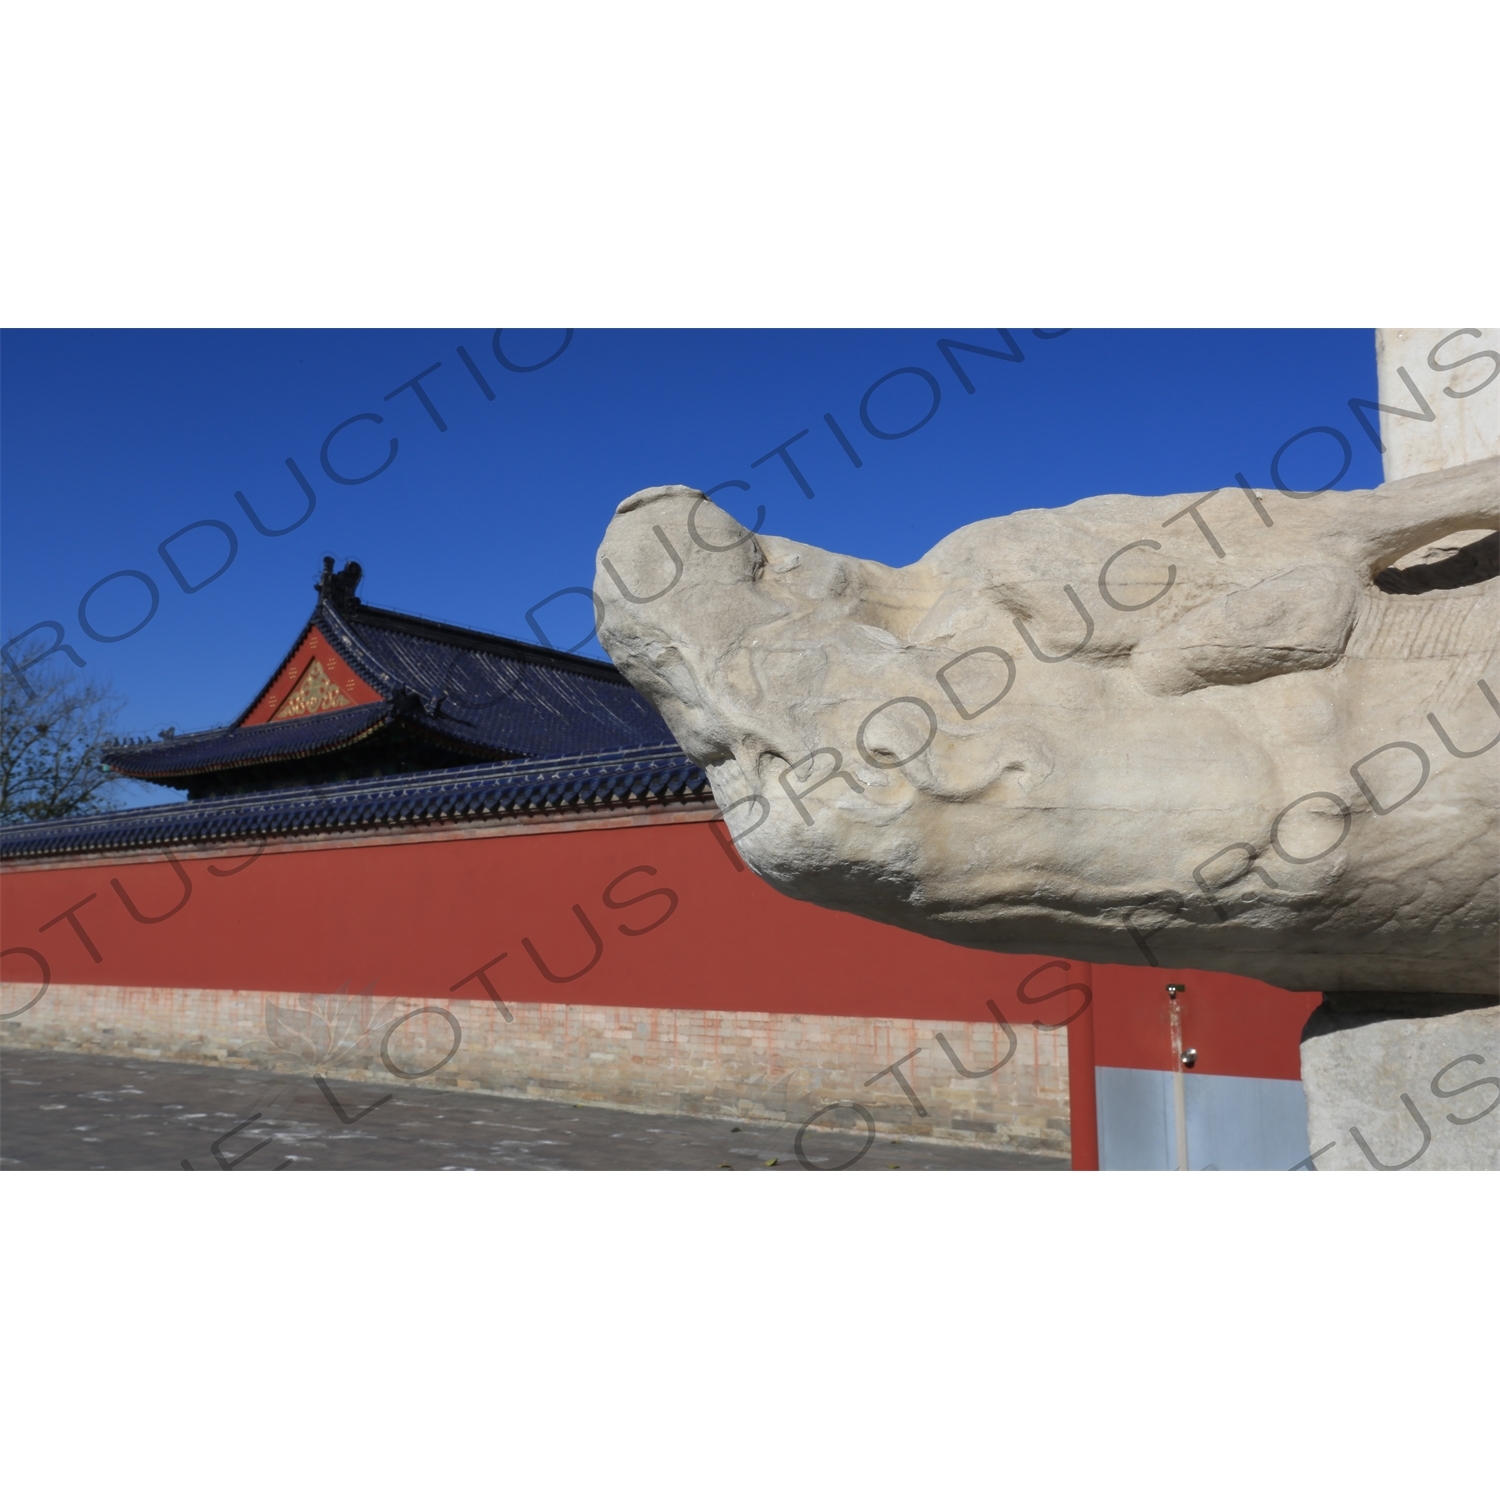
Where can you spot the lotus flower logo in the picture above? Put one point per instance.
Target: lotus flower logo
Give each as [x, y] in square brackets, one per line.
[324, 1031]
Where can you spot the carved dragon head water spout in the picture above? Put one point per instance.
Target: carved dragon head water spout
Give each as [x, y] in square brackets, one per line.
[1212, 732]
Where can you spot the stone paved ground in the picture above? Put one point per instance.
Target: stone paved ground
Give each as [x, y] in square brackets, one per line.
[67, 1112]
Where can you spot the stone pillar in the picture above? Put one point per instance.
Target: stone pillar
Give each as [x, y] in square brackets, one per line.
[1399, 1082]
[1455, 374]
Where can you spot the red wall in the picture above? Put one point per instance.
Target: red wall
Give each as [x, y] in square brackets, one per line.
[414, 918]
[1239, 1027]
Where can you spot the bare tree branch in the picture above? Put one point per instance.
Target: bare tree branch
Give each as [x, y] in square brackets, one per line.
[51, 746]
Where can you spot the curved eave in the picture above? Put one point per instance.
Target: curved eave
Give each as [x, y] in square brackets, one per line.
[166, 760]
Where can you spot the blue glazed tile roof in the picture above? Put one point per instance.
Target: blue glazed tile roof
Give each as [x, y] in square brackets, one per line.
[248, 745]
[469, 695]
[650, 775]
[488, 690]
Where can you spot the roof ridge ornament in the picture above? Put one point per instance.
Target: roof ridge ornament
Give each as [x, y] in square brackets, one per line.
[338, 589]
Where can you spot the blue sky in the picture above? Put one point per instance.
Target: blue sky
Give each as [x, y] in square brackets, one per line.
[111, 441]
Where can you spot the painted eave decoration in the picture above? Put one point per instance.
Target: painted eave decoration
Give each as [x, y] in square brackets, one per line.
[314, 680]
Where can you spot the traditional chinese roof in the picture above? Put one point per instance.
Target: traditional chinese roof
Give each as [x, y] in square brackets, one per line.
[366, 690]
[648, 776]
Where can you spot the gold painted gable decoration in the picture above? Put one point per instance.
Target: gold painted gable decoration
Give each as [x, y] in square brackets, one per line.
[316, 693]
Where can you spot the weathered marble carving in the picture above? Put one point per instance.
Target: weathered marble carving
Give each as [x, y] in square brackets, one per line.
[1193, 730]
